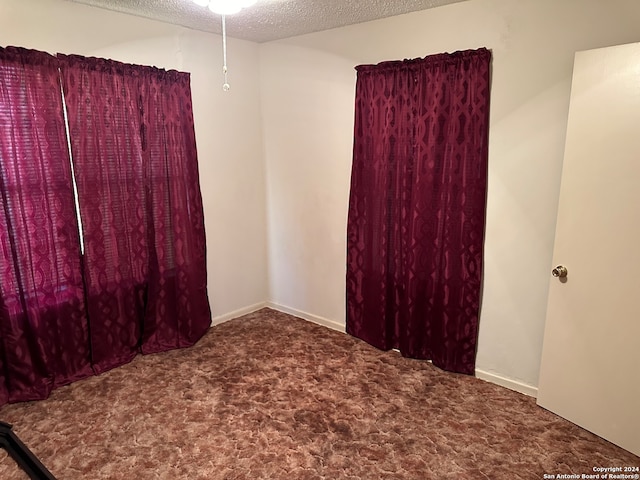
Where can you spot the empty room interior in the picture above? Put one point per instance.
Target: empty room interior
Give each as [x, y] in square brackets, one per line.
[487, 356]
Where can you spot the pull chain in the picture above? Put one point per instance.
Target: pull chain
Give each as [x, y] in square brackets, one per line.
[225, 85]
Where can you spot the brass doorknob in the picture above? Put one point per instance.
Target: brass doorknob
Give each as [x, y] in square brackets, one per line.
[560, 271]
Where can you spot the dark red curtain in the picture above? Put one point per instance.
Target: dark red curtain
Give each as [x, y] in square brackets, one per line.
[178, 312]
[417, 206]
[43, 323]
[133, 149]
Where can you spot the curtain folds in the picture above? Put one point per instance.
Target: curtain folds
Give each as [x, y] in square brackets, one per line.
[133, 149]
[417, 206]
[102, 110]
[140, 284]
[43, 321]
[178, 313]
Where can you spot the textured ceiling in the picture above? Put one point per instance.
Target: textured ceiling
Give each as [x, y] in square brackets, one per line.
[269, 19]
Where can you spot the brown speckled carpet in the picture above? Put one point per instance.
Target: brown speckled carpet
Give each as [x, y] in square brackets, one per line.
[270, 396]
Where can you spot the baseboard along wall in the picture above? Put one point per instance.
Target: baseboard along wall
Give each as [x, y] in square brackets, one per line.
[238, 313]
[340, 327]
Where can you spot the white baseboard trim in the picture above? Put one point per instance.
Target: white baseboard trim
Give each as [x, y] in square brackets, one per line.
[237, 313]
[325, 322]
[507, 383]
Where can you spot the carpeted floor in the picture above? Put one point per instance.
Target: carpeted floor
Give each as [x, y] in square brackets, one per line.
[270, 396]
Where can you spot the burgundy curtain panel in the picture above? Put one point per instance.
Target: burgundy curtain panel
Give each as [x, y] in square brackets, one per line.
[139, 285]
[43, 322]
[102, 110]
[417, 206]
[134, 155]
[179, 313]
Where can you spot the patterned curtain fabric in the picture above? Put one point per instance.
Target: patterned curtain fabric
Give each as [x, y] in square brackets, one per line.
[140, 285]
[43, 323]
[417, 206]
[104, 126]
[178, 312]
[133, 149]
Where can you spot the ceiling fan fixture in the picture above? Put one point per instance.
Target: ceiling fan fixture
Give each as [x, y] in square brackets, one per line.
[224, 8]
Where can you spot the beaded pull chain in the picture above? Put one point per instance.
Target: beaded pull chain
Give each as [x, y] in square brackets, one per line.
[225, 85]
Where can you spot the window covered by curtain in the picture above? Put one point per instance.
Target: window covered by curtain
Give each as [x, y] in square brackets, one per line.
[178, 308]
[140, 285]
[43, 323]
[417, 206]
[133, 149]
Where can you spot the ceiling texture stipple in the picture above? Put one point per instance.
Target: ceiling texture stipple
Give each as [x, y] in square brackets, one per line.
[269, 20]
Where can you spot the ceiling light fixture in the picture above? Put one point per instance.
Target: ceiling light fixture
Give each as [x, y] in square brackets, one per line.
[224, 8]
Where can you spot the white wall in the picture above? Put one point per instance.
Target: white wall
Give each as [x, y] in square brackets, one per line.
[228, 125]
[307, 91]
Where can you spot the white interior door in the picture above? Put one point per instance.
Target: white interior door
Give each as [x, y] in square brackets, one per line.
[590, 371]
